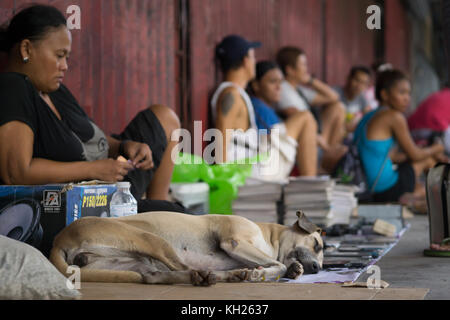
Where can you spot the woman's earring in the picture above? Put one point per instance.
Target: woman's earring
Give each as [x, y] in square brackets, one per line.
[25, 60]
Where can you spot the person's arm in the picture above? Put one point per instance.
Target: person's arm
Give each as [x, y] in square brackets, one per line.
[114, 146]
[18, 167]
[367, 109]
[139, 153]
[325, 93]
[228, 107]
[399, 127]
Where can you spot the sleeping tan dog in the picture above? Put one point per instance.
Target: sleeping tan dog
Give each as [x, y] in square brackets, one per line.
[167, 247]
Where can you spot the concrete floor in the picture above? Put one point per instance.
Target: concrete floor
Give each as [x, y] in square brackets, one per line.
[405, 266]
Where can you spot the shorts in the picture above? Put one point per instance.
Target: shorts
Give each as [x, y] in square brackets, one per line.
[283, 150]
[146, 128]
[406, 183]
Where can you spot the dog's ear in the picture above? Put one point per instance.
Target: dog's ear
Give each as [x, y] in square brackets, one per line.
[305, 224]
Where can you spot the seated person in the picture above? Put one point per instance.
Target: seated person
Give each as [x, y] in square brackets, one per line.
[300, 126]
[432, 119]
[376, 134]
[233, 111]
[369, 93]
[352, 96]
[46, 137]
[300, 91]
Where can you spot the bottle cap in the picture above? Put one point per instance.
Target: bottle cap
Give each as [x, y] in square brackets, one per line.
[123, 184]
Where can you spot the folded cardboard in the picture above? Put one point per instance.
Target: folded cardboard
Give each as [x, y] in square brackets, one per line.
[384, 228]
[243, 291]
[46, 209]
[391, 213]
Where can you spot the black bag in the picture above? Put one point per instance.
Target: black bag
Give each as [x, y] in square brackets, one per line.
[349, 170]
[438, 202]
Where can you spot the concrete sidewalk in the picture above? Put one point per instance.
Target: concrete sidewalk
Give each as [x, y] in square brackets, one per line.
[405, 266]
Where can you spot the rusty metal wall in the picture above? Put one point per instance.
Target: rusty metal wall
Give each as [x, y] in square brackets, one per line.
[397, 35]
[273, 22]
[348, 40]
[123, 58]
[332, 32]
[126, 56]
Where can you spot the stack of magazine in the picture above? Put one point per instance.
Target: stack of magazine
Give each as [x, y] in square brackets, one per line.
[323, 201]
[257, 200]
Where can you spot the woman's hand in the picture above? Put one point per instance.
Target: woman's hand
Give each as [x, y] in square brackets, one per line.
[306, 78]
[439, 154]
[109, 170]
[140, 154]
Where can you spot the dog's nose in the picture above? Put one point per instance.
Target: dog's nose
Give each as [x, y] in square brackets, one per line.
[310, 267]
[315, 267]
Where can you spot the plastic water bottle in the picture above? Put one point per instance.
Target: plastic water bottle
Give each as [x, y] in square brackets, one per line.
[122, 202]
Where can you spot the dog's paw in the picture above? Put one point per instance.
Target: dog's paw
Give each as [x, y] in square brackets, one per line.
[257, 275]
[203, 278]
[239, 275]
[294, 271]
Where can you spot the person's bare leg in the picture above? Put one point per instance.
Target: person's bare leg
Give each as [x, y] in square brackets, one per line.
[303, 127]
[331, 157]
[333, 123]
[158, 188]
[419, 168]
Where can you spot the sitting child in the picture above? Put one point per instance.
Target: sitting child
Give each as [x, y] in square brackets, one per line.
[300, 127]
[379, 130]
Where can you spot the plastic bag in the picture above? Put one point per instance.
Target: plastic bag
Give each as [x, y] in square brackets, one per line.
[223, 179]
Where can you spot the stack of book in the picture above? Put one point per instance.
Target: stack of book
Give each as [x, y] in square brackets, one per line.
[322, 200]
[257, 200]
[311, 195]
[344, 203]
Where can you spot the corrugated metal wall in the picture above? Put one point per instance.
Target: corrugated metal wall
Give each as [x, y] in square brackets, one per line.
[273, 22]
[123, 58]
[332, 32]
[125, 55]
[348, 40]
[397, 37]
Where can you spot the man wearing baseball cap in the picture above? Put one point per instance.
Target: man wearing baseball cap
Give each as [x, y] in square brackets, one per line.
[233, 111]
[231, 105]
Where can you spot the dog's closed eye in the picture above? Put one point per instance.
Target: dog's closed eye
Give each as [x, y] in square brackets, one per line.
[317, 246]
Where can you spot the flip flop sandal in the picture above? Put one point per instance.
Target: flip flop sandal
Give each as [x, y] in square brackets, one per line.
[439, 253]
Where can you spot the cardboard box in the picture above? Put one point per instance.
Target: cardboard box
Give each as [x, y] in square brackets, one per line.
[41, 212]
[244, 291]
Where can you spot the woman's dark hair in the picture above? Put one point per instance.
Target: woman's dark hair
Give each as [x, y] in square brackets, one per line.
[386, 80]
[288, 56]
[355, 69]
[262, 67]
[31, 23]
